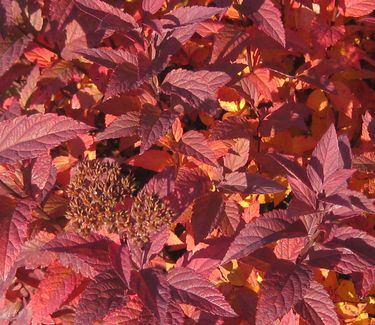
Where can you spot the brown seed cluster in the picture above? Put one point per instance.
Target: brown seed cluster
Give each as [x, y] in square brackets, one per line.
[95, 191]
[148, 215]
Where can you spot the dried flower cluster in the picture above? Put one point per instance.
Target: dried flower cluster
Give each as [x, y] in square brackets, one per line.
[148, 215]
[95, 191]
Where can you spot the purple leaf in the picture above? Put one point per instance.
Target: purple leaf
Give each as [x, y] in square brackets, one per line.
[109, 16]
[13, 232]
[155, 245]
[152, 6]
[207, 210]
[262, 231]
[238, 155]
[27, 137]
[124, 126]
[232, 128]
[283, 286]
[207, 259]
[153, 125]
[194, 144]
[339, 259]
[197, 88]
[153, 289]
[358, 241]
[121, 261]
[189, 15]
[298, 180]
[316, 307]
[88, 256]
[249, 184]
[325, 160]
[104, 293]
[192, 288]
[266, 16]
[11, 51]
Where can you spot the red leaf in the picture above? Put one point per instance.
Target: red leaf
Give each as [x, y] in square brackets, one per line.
[88, 256]
[109, 16]
[284, 285]
[155, 160]
[133, 313]
[316, 306]
[58, 283]
[267, 17]
[26, 137]
[11, 51]
[192, 288]
[197, 88]
[13, 232]
[189, 15]
[194, 144]
[153, 125]
[152, 6]
[249, 183]
[124, 126]
[289, 248]
[262, 231]
[104, 294]
[207, 210]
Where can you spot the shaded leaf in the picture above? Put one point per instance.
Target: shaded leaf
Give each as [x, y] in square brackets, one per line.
[153, 125]
[207, 210]
[284, 285]
[152, 288]
[249, 183]
[102, 295]
[26, 137]
[189, 15]
[231, 128]
[316, 306]
[11, 51]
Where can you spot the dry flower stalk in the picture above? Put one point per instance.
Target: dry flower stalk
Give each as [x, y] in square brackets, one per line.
[94, 193]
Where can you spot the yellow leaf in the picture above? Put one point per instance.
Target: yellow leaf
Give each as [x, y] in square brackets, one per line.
[346, 291]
